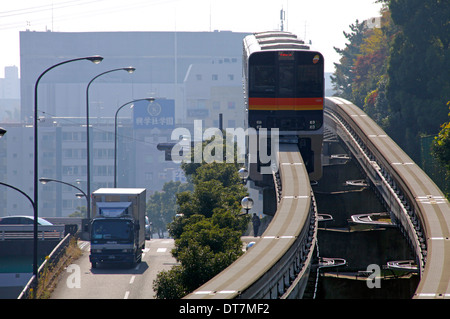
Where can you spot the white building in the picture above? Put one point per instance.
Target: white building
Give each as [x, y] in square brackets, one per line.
[10, 95]
[200, 71]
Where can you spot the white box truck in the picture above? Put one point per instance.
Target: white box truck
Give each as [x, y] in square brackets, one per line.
[118, 225]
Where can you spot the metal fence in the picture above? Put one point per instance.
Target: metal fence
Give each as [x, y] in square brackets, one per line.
[11, 232]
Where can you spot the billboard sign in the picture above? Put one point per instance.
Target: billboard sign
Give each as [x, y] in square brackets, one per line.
[157, 114]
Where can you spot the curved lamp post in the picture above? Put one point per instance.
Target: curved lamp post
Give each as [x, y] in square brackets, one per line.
[22, 192]
[95, 59]
[150, 100]
[129, 70]
[45, 180]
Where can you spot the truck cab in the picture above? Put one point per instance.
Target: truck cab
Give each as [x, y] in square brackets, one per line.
[118, 228]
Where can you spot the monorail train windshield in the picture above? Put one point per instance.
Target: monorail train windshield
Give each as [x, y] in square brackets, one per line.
[286, 74]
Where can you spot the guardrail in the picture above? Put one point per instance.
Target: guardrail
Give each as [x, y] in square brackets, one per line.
[420, 207]
[52, 259]
[12, 232]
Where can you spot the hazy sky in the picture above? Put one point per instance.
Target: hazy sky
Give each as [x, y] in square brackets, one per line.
[321, 21]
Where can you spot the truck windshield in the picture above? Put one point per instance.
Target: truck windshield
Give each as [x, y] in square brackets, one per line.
[112, 230]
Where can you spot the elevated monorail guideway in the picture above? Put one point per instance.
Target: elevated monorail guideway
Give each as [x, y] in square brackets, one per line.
[278, 265]
[411, 196]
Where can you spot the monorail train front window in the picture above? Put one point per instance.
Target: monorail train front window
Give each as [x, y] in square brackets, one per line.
[309, 81]
[286, 75]
[262, 79]
[286, 85]
[310, 74]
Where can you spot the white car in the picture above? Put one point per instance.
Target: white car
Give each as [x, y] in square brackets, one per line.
[22, 220]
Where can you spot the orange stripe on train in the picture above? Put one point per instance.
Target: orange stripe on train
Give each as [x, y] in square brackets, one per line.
[297, 104]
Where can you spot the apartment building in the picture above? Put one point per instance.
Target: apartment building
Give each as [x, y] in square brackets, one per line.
[200, 72]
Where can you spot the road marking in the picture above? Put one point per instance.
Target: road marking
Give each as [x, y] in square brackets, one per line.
[127, 293]
[161, 250]
[132, 279]
[83, 245]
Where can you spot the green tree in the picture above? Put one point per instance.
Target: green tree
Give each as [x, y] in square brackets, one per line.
[162, 206]
[208, 228]
[399, 74]
[441, 145]
[80, 212]
[344, 76]
[419, 81]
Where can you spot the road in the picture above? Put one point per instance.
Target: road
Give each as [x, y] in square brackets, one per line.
[80, 281]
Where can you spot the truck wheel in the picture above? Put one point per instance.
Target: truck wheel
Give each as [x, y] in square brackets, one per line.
[94, 265]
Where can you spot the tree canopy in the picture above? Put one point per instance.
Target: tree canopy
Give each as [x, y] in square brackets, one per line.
[399, 73]
[207, 229]
[419, 77]
[162, 206]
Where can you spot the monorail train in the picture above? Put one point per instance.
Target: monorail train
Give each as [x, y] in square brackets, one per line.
[284, 89]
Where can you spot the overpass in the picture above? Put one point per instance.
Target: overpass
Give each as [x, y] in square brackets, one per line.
[16, 253]
[278, 265]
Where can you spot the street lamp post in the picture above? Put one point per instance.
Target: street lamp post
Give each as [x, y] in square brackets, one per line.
[45, 180]
[88, 171]
[151, 99]
[95, 59]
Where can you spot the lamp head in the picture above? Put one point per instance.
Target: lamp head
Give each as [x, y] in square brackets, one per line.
[130, 69]
[247, 203]
[243, 173]
[95, 59]
[2, 131]
[44, 180]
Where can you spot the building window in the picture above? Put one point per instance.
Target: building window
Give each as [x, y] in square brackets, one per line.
[162, 176]
[103, 170]
[198, 77]
[70, 170]
[201, 104]
[231, 77]
[215, 77]
[148, 159]
[231, 105]
[68, 204]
